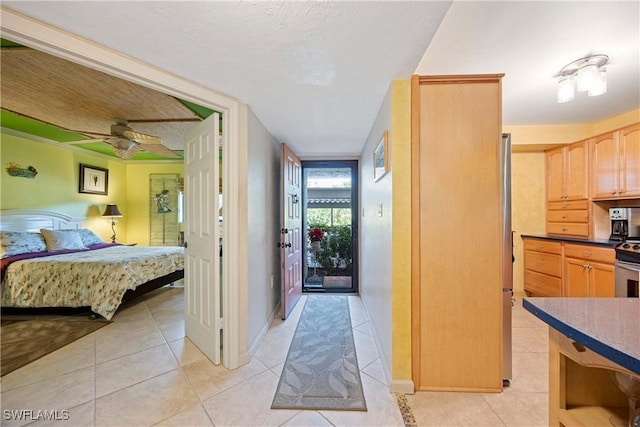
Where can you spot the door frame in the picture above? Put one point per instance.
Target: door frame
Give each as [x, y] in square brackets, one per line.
[46, 38]
[355, 240]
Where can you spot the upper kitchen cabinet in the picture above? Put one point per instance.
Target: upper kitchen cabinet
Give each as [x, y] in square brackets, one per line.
[567, 173]
[616, 164]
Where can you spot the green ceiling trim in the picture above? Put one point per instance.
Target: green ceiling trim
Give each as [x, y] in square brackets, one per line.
[52, 133]
[202, 112]
[107, 149]
[33, 127]
[9, 43]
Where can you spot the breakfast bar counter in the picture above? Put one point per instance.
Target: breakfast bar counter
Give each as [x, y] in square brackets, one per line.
[594, 345]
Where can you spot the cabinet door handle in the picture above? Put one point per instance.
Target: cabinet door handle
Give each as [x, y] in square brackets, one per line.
[587, 253]
[539, 262]
[564, 217]
[564, 228]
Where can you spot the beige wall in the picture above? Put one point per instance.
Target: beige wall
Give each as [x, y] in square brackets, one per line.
[376, 236]
[263, 219]
[385, 235]
[527, 206]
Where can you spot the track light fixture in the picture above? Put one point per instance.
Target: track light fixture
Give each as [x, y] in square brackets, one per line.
[586, 74]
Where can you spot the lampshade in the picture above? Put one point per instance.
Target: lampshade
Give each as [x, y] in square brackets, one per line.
[566, 89]
[586, 74]
[599, 85]
[112, 210]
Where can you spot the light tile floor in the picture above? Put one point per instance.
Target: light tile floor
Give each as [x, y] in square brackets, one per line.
[141, 371]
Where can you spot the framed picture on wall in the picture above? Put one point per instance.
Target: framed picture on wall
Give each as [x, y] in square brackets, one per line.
[94, 180]
[381, 157]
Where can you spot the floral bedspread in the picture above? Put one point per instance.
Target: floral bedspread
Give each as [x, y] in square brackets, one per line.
[96, 278]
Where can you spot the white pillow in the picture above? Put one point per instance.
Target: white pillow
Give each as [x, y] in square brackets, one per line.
[20, 242]
[60, 240]
[88, 237]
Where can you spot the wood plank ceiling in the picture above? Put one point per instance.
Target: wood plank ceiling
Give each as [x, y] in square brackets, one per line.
[73, 97]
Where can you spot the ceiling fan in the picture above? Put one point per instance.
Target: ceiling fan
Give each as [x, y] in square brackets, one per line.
[126, 142]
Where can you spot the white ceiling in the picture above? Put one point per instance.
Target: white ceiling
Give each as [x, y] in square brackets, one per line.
[315, 73]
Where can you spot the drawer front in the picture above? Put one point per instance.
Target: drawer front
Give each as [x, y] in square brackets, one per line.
[568, 229]
[540, 245]
[568, 216]
[568, 205]
[543, 263]
[592, 253]
[542, 285]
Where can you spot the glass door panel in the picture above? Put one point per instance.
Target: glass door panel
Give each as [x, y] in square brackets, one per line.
[330, 199]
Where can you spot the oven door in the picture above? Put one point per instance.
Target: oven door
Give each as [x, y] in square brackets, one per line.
[627, 279]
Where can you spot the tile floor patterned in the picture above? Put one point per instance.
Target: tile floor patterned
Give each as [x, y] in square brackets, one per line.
[141, 371]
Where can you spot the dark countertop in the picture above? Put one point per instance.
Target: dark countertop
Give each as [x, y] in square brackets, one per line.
[607, 326]
[580, 240]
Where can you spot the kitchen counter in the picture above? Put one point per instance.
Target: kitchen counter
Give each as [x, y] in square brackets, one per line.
[607, 326]
[581, 240]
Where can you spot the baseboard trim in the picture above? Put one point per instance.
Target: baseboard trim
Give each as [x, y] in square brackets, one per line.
[253, 348]
[402, 386]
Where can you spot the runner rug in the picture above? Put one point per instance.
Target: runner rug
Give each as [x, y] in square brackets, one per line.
[321, 370]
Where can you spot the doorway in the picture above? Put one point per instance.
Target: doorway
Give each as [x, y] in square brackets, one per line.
[330, 221]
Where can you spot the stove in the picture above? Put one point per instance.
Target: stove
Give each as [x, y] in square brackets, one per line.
[628, 251]
[627, 275]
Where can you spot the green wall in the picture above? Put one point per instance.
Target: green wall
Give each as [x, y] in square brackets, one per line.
[55, 187]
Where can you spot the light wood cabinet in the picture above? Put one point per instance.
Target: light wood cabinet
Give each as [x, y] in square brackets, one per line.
[555, 269]
[567, 172]
[588, 271]
[569, 218]
[581, 392]
[568, 190]
[616, 164]
[629, 142]
[465, 111]
[543, 267]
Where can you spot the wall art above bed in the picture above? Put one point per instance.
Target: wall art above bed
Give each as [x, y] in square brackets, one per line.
[93, 180]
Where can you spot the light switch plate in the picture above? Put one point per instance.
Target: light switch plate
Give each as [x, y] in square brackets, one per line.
[380, 209]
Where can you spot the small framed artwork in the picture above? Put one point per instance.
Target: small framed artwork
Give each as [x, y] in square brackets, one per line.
[94, 180]
[381, 157]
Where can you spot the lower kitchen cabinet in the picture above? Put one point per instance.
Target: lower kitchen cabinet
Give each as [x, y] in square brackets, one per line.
[588, 279]
[561, 269]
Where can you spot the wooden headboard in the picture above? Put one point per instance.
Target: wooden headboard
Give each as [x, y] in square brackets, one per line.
[34, 220]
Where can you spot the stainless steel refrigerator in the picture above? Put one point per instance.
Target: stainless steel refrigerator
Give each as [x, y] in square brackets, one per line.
[508, 257]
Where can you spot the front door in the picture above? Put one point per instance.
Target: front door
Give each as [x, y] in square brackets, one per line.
[291, 226]
[203, 314]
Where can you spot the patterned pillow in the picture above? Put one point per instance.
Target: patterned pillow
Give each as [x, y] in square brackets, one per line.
[60, 240]
[89, 238]
[20, 242]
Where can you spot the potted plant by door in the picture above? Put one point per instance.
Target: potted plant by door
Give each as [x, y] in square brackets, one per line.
[315, 236]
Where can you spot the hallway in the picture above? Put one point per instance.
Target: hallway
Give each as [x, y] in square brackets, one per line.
[141, 371]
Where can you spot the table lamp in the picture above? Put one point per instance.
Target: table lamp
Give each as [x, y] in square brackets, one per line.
[113, 212]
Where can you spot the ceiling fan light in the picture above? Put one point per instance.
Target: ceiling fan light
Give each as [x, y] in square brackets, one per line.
[587, 75]
[599, 85]
[566, 89]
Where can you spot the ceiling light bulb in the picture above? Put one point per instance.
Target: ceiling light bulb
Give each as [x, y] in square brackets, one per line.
[566, 89]
[587, 75]
[599, 85]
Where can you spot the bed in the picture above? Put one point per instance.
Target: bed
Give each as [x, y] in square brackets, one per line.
[48, 260]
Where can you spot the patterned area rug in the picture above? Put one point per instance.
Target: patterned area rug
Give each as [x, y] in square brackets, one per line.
[321, 370]
[24, 341]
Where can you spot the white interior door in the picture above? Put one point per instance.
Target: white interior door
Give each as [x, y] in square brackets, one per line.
[203, 309]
